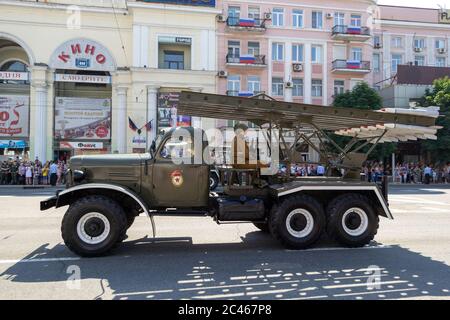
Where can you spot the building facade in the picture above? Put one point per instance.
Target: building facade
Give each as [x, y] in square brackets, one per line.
[82, 77]
[99, 77]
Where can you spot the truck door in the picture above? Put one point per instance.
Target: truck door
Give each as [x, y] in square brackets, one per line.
[178, 181]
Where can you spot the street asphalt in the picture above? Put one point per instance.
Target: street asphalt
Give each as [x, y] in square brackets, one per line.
[194, 258]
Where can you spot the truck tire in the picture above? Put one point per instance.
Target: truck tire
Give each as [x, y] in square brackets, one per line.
[263, 226]
[93, 225]
[352, 220]
[297, 222]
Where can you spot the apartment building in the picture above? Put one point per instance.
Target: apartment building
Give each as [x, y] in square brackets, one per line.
[404, 35]
[301, 51]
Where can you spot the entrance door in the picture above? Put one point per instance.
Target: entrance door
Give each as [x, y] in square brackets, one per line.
[179, 182]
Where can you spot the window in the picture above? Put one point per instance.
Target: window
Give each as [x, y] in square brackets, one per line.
[397, 42]
[440, 62]
[254, 13]
[316, 54]
[356, 54]
[395, 61]
[377, 41]
[234, 85]
[440, 44]
[278, 17]
[376, 62]
[277, 86]
[297, 52]
[178, 147]
[339, 87]
[339, 18]
[297, 90]
[254, 84]
[355, 20]
[234, 51]
[317, 20]
[234, 14]
[419, 60]
[253, 48]
[297, 18]
[174, 60]
[316, 88]
[277, 51]
[419, 43]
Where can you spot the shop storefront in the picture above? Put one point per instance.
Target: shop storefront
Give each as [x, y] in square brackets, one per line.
[168, 116]
[14, 110]
[83, 99]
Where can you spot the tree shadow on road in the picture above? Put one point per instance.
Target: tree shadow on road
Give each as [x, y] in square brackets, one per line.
[256, 268]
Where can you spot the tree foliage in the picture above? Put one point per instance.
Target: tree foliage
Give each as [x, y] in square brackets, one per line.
[361, 97]
[439, 96]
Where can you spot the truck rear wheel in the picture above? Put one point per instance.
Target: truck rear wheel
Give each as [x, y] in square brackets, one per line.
[352, 220]
[93, 225]
[297, 222]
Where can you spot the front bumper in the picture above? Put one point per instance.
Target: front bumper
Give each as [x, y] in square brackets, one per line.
[49, 203]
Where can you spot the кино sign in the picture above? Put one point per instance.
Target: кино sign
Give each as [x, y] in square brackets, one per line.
[82, 54]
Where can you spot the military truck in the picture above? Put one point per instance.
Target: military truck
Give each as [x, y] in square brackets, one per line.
[105, 193]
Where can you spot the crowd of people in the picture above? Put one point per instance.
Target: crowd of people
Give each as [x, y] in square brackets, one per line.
[20, 172]
[418, 173]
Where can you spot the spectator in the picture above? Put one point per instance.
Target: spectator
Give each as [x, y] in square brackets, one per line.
[53, 173]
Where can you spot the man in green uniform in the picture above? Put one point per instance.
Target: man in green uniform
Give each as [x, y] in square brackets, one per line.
[14, 170]
[4, 169]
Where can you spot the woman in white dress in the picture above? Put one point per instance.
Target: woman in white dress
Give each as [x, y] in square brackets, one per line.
[29, 174]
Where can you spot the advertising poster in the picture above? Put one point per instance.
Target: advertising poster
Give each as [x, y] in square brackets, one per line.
[167, 112]
[82, 118]
[14, 116]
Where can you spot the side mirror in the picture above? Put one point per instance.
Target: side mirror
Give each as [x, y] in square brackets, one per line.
[153, 149]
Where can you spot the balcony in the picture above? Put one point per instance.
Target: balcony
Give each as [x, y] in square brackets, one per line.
[350, 66]
[246, 94]
[350, 33]
[246, 60]
[246, 24]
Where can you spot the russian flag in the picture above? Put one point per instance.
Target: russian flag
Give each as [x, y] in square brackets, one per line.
[247, 22]
[353, 64]
[247, 59]
[245, 94]
[353, 30]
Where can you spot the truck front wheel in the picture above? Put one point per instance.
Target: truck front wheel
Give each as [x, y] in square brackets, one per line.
[297, 222]
[93, 225]
[352, 220]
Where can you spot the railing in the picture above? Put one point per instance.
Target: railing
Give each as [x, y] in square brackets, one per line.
[351, 30]
[246, 22]
[351, 64]
[246, 59]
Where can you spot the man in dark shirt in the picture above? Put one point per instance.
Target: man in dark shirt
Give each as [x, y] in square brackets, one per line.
[14, 171]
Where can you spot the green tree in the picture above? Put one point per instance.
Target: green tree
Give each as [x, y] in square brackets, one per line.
[363, 97]
[360, 97]
[439, 96]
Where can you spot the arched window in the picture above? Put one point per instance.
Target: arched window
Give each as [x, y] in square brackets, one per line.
[14, 66]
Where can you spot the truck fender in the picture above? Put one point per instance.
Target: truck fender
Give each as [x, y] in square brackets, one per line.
[63, 198]
[378, 195]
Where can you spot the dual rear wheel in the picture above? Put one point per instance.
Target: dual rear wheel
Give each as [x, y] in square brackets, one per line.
[300, 220]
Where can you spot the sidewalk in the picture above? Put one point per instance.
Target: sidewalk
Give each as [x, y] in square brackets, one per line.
[32, 187]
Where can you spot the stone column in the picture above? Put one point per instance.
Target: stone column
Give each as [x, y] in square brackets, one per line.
[39, 136]
[121, 122]
[152, 113]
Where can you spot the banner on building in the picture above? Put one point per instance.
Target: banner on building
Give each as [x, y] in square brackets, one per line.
[82, 118]
[14, 115]
[83, 78]
[167, 112]
[13, 144]
[81, 145]
[14, 76]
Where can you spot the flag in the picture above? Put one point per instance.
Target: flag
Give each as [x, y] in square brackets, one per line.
[132, 125]
[148, 126]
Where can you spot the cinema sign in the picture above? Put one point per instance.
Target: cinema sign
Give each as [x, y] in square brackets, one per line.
[82, 54]
[444, 16]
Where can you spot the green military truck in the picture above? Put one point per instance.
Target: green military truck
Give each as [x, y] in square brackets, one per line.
[106, 193]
